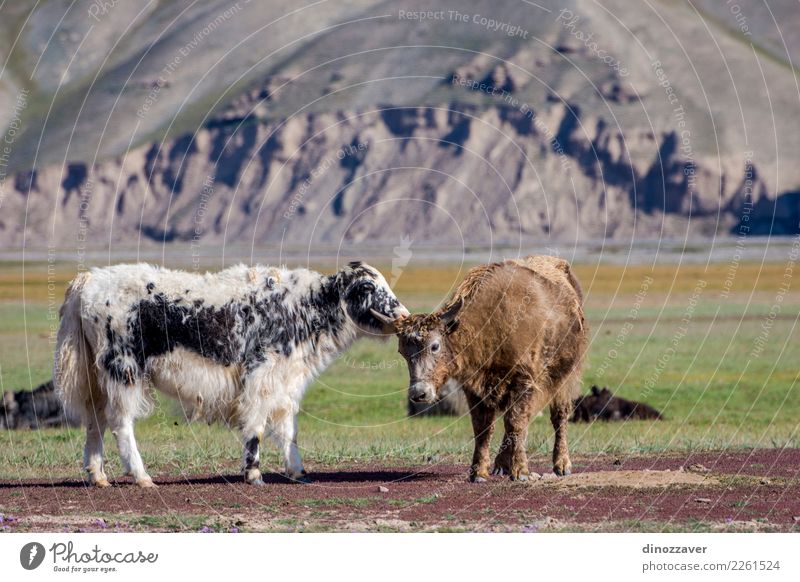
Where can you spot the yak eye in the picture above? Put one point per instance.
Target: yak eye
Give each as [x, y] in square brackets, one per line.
[435, 347]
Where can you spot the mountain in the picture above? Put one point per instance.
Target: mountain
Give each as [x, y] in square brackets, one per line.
[317, 123]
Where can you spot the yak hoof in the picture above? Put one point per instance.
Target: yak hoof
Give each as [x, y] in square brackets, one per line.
[301, 478]
[147, 484]
[519, 478]
[499, 471]
[102, 483]
[562, 472]
[257, 482]
[477, 479]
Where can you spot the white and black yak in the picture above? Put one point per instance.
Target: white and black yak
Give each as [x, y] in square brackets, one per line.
[239, 346]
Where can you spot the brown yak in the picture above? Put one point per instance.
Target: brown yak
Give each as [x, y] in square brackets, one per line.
[513, 335]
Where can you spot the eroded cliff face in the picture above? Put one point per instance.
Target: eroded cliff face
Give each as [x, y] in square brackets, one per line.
[587, 122]
[446, 174]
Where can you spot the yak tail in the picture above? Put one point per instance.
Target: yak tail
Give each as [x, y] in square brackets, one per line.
[74, 372]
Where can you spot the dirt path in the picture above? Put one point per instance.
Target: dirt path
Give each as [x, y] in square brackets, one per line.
[743, 490]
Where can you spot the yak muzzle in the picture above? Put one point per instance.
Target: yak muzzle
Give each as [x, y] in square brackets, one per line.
[420, 393]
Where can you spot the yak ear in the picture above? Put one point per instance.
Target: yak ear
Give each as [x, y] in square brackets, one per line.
[448, 317]
[451, 326]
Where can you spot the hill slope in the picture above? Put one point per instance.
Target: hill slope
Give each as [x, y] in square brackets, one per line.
[236, 122]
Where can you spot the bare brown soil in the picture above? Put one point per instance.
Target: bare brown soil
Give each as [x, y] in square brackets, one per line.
[742, 490]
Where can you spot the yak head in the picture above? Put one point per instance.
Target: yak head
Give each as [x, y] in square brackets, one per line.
[368, 299]
[423, 342]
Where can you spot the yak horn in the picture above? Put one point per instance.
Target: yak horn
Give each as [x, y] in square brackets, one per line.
[383, 319]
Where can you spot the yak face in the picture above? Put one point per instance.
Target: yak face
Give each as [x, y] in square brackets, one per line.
[423, 343]
[369, 301]
[423, 353]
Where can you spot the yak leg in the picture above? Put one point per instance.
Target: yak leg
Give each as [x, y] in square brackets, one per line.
[252, 463]
[252, 435]
[93, 451]
[127, 403]
[94, 416]
[512, 459]
[560, 410]
[284, 433]
[502, 462]
[122, 428]
[482, 427]
[252, 419]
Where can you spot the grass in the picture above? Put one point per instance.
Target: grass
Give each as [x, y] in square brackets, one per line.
[338, 502]
[721, 370]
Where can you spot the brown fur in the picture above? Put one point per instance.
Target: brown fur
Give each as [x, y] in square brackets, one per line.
[516, 345]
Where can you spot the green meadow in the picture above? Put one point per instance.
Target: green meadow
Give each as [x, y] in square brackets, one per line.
[717, 353]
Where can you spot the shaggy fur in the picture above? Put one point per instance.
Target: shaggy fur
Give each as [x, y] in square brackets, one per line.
[239, 346]
[603, 405]
[513, 335]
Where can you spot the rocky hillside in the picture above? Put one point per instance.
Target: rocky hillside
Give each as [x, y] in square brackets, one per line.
[455, 123]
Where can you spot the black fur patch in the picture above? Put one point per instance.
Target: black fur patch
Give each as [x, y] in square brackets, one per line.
[238, 332]
[157, 326]
[244, 332]
[251, 454]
